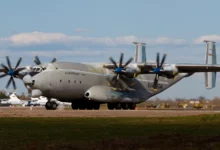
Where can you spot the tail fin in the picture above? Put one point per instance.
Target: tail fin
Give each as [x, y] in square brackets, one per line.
[210, 58]
[140, 53]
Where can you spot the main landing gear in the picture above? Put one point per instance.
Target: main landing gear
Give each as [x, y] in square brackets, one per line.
[82, 105]
[51, 105]
[124, 106]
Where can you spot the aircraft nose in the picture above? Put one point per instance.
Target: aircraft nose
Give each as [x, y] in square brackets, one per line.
[27, 79]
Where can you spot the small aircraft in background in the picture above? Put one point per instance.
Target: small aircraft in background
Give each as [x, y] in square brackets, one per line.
[41, 101]
[13, 100]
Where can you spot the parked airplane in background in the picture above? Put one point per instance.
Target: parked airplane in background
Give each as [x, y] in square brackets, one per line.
[13, 100]
[120, 85]
[38, 101]
[41, 101]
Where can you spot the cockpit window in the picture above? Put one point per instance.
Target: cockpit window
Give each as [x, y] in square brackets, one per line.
[37, 69]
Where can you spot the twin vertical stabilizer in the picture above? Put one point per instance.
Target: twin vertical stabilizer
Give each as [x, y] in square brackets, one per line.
[210, 58]
[140, 53]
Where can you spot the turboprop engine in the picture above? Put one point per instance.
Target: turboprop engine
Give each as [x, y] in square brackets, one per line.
[105, 94]
[170, 71]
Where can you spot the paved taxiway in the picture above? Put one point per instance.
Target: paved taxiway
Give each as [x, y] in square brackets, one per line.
[41, 112]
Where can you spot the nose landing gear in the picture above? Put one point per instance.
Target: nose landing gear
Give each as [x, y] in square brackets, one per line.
[51, 105]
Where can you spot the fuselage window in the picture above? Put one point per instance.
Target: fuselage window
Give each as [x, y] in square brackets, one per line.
[69, 81]
[60, 80]
[74, 81]
[80, 82]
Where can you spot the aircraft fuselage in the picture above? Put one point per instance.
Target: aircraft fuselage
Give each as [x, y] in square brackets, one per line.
[69, 81]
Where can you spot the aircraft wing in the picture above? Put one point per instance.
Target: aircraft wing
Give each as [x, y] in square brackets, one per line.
[182, 68]
[197, 68]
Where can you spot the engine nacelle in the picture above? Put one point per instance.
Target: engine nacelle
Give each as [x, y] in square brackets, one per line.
[170, 71]
[107, 94]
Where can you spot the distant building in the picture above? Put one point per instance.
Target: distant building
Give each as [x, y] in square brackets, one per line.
[193, 101]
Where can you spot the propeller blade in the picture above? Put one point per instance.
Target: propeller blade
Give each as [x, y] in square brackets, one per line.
[37, 60]
[18, 63]
[6, 68]
[113, 61]
[9, 63]
[158, 59]
[122, 84]
[127, 80]
[163, 60]
[13, 82]
[53, 60]
[114, 80]
[121, 60]
[9, 81]
[118, 76]
[18, 70]
[128, 62]
[155, 81]
[3, 75]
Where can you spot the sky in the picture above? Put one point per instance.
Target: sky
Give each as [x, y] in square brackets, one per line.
[92, 31]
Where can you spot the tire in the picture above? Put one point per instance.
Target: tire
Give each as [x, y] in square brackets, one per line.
[132, 106]
[82, 105]
[74, 105]
[90, 105]
[118, 106]
[111, 106]
[125, 106]
[54, 105]
[96, 106]
[48, 106]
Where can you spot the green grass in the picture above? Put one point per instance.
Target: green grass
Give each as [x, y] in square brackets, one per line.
[193, 132]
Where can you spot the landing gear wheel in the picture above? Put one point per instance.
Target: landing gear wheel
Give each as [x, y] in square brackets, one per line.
[132, 106]
[48, 106]
[118, 106]
[82, 105]
[111, 106]
[53, 105]
[74, 105]
[125, 106]
[96, 106]
[90, 105]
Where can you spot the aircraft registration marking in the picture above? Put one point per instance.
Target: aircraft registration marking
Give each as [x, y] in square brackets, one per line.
[75, 73]
[159, 86]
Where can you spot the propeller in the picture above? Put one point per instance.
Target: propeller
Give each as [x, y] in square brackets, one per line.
[120, 72]
[38, 62]
[158, 69]
[13, 72]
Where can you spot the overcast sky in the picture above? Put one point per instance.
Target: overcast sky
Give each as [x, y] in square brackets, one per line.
[94, 30]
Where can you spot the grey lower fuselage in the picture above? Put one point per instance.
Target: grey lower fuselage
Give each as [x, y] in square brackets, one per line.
[69, 81]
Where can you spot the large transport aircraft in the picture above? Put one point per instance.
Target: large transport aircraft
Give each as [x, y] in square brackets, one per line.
[120, 85]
